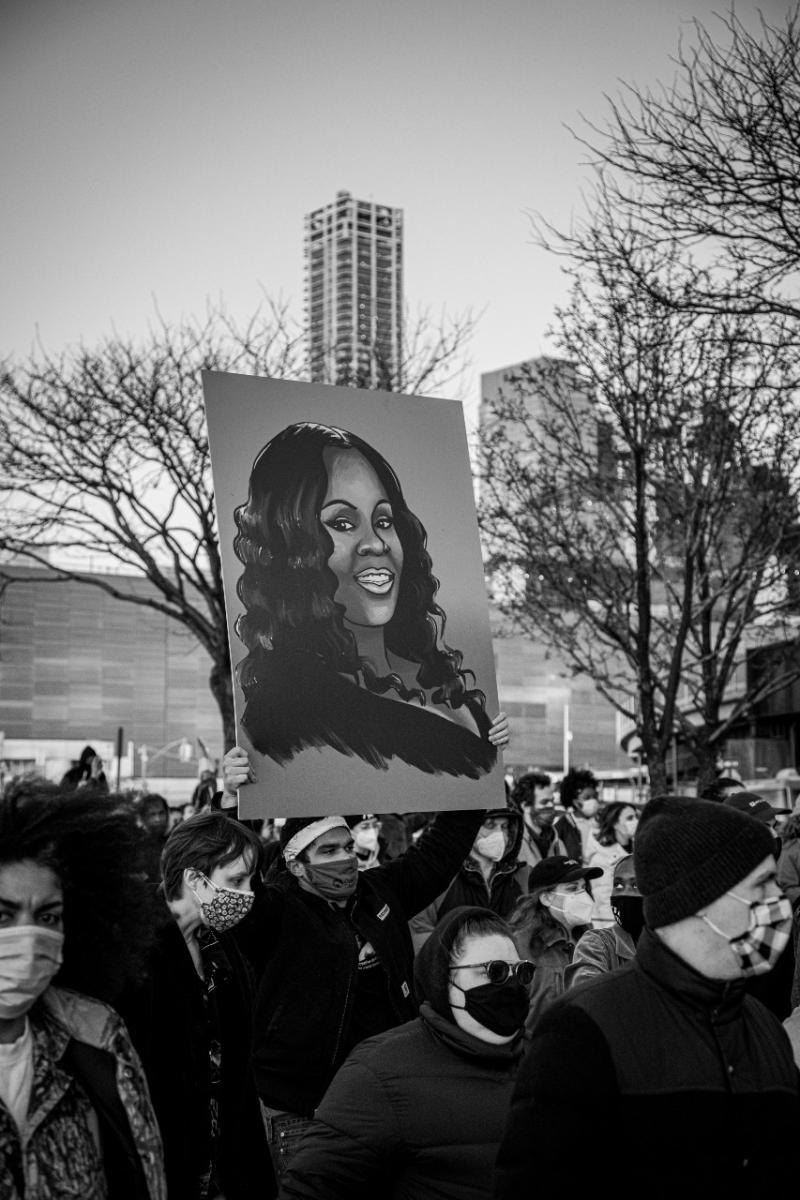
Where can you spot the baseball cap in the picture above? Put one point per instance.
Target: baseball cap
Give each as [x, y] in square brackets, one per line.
[558, 869]
[753, 804]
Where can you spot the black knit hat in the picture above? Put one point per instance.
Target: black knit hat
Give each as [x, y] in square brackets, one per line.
[688, 853]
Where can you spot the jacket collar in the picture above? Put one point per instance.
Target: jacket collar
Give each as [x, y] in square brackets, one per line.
[660, 963]
[467, 1046]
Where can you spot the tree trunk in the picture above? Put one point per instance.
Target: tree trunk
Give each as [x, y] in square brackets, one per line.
[221, 685]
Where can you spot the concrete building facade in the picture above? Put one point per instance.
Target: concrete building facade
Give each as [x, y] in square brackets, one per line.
[354, 293]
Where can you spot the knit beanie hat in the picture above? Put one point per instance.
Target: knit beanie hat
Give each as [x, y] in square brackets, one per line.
[688, 853]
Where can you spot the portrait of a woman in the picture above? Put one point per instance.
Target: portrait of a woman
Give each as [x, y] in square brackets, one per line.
[346, 642]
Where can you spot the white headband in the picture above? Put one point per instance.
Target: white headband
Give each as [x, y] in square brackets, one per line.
[309, 833]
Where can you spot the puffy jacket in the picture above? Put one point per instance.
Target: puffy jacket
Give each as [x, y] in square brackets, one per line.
[416, 1113]
[698, 1074]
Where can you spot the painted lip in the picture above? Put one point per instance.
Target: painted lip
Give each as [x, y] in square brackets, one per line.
[375, 580]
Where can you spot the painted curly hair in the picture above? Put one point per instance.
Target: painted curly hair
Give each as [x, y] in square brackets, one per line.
[91, 842]
[287, 587]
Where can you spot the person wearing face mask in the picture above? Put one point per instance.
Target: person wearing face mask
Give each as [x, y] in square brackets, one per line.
[672, 1049]
[612, 946]
[331, 950]
[366, 829]
[532, 797]
[547, 924]
[613, 841]
[191, 1016]
[492, 875]
[75, 921]
[417, 1112]
[774, 988]
[577, 794]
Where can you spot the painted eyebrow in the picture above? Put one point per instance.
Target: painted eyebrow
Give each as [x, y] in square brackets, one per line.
[331, 502]
[347, 503]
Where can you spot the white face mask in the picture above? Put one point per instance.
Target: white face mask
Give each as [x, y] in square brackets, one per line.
[366, 839]
[30, 956]
[575, 908]
[491, 845]
[587, 808]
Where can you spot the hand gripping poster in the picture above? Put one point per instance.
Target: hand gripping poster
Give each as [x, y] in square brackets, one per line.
[355, 595]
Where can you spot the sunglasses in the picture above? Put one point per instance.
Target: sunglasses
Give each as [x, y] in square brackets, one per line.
[498, 971]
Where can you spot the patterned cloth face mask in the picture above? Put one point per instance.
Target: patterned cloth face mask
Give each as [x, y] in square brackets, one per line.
[226, 908]
[760, 947]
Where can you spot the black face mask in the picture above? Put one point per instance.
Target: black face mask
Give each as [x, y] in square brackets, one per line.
[499, 1007]
[629, 912]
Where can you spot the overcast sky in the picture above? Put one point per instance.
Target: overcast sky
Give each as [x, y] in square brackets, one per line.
[163, 152]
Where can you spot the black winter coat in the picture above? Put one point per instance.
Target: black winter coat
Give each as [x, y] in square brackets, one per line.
[166, 1020]
[414, 1114]
[691, 1080]
[305, 955]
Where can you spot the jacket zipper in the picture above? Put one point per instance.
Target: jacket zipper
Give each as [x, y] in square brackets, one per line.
[340, 1030]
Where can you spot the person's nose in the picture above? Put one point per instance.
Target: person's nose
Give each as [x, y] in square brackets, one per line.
[372, 543]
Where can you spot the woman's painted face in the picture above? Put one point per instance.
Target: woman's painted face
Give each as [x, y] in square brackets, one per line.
[367, 557]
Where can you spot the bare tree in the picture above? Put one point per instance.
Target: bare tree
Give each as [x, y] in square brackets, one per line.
[433, 357]
[712, 162]
[104, 452]
[639, 504]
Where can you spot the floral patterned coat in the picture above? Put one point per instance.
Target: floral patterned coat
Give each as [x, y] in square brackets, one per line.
[58, 1155]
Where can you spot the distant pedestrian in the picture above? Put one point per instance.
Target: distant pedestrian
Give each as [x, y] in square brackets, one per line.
[577, 795]
[205, 790]
[86, 772]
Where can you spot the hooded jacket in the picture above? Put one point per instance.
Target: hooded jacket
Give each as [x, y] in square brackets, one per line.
[508, 881]
[416, 1113]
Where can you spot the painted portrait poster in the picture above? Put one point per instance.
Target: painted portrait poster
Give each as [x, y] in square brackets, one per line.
[357, 613]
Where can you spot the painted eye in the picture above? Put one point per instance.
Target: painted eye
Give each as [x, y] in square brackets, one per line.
[341, 524]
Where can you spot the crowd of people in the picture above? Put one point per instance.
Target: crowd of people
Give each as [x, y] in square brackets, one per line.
[386, 1005]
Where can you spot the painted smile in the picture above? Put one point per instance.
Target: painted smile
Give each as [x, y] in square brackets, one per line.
[378, 582]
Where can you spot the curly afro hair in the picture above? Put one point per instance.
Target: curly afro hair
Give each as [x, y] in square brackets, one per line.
[91, 842]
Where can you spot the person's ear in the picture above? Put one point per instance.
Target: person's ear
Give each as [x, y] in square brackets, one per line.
[546, 899]
[295, 867]
[191, 877]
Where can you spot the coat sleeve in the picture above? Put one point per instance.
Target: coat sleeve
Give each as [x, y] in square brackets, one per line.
[566, 1082]
[421, 926]
[429, 866]
[353, 1145]
[591, 958]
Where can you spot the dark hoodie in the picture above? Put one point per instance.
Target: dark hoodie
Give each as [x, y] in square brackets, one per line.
[506, 884]
[81, 773]
[416, 1113]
